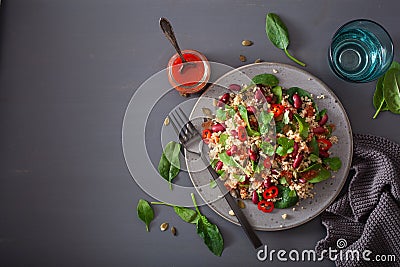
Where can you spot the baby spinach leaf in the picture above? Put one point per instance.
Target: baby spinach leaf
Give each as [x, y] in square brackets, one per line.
[314, 158]
[186, 214]
[230, 111]
[314, 146]
[278, 34]
[279, 126]
[334, 163]
[288, 198]
[320, 114]
[391, 90]
[220, 114]
[267, 148]
[322, 175]
[277, 91]
[285, 146]
[266, 79]
[145, 212]
[303, 126]
[169, 165]
[243, 113]
[222, 139]
[315, 167]
[229, 161]
[264, 121]
[213, 183]
[209, 232]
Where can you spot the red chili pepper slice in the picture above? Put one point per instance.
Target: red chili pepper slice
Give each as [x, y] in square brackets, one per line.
[242, 134]
[265, 206]
[206, 135]
[324, 144]
[277, 109]
[270, 192]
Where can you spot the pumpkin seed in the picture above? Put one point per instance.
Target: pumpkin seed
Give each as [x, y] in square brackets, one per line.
[242, 58]
[207, 112]
[241, 204]
[173, 230]
[231, 213]
[166, 121]
[258, 60]
[247, 43]
[184, 94]
[284, 216]
[164, 226]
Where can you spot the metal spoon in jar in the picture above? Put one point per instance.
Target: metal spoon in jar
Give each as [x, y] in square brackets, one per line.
[169, 33]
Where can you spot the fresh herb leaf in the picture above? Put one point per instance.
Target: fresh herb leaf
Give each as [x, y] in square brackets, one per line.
[320, 114]
[287, 197]
[334, 163]
[209, 232]
[285, 146]
[169, 165]
[279, 35]
[230, 111]
[266, 79]
[314, 146]
[279, 126]
[264, 121]
[222, 139]
[267, 148]
[322, 175]
[220, 114]
[186, 214]
[315, 167]
[313, 158]
[303, 126]
[277, 91]
[240, 178]
[243, 113]
[229, 161]
[213, 183]
[145, 212]
[282, 180]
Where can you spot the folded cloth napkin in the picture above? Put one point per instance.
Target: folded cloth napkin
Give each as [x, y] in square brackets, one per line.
[366, 215]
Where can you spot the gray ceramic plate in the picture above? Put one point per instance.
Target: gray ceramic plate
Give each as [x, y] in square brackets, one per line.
[326, 191]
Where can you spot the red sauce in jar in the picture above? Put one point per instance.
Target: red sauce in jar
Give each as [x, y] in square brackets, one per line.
[194, 76]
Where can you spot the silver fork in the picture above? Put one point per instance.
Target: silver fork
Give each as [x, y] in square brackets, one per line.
[189, 136]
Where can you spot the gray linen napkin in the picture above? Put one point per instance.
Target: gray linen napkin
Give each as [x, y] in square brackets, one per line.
[366, 216]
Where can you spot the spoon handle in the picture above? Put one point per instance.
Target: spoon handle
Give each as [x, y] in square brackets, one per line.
[169, 33]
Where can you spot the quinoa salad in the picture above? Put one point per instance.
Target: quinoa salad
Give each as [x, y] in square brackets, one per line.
[270, 144]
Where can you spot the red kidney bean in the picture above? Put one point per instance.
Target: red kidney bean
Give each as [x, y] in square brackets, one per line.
[319, 130]
[251, 110]
[297, 101]
[253, 155]
[302, 180]
[219, 127]
[234, 133]
[323, 154]
[269, 99]
[234, 87]
[258, 95]
[219, 165]
[267, 182]
[232, 150]
[254, 197]
[225, 98]
[274, 172]
[297, 161]
[323, 120]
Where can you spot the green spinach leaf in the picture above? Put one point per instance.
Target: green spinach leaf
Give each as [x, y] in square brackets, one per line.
[145, 212]
[220, 114]
[266, 79]
[186, 214]
[334, 163]
[314, 146]
[245, 117]
[267, 148]
[391, 90]
[264, 121]
[278, 34]
[322, 175]
[169, 165]
[285, 146]
[222, 139]
[303, 126]
[229, 161]
[288, 197]
[277, 91]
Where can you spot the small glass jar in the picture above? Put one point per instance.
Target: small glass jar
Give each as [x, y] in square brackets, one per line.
[194, 75]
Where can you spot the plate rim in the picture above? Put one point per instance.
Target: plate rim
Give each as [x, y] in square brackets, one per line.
[346, 173]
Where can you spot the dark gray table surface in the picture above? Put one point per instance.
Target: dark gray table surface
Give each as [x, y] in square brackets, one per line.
[67, 72]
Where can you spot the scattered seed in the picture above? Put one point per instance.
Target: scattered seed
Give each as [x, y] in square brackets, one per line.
[294, 209]
[284, 216]
[242, 58]
[164, 226]
[274, 71]
[241, 204]
[302, 208]
[247, 43]
[231, 213]
[215, 102]
[166, 121]
[258, 60]
[207, 112]
[309, 79]
[281, 226]
[173, 230]
[184, 94]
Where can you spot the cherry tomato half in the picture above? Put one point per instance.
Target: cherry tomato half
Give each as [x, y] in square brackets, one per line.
[242, 134]
[265, 206]
[277, 109]
[270, 192]
[324, 144]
